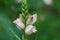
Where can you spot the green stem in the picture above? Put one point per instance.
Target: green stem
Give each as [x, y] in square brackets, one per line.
[24, 37]
[24, 14]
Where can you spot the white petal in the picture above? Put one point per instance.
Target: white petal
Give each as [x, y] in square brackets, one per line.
[19, 23]
[30, 29]
[48, 2]
[34, 30]
[32, 19]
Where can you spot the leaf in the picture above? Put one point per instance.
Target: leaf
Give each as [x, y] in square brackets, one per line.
[10, 32]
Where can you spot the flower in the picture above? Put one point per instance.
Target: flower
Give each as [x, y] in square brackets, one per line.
[32, 19]
[19, 23]
[17, 1]
[30, 29]
[48, 2]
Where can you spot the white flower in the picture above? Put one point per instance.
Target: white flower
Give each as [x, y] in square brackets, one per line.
[30, 29]
[18, 1]
[48, 2]
[32, 19]
[19, 23]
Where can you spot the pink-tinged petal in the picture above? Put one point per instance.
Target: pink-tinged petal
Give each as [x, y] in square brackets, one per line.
[30, 29]
[19, 23]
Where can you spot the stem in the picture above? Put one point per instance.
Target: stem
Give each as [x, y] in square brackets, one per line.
[22, 37]
[24, 14]
[24, 11]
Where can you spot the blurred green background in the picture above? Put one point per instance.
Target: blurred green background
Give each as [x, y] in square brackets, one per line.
[48, 22]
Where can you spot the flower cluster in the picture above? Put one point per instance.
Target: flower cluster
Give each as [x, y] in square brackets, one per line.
[29, 29]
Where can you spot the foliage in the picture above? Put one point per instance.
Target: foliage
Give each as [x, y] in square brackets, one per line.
[48, 29]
